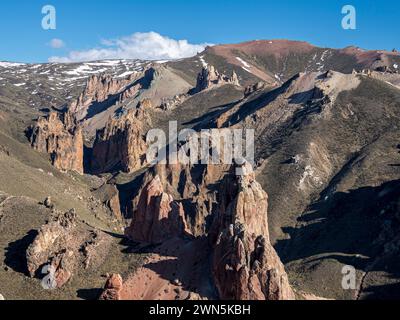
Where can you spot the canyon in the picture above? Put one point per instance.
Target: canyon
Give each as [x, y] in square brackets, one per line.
[83, 208]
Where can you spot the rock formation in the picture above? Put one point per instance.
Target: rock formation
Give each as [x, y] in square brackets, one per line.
[112, 289]
[62, 138]
[245, 265]
[129, 93]
[157, 217]
[4, 150]
[62, 246]
[172, 103]
[254, 87]
[120, 145]
[108, 194]
[98, 89]
[145, 104]
[191, 185]
[209, 77]
[50, 247]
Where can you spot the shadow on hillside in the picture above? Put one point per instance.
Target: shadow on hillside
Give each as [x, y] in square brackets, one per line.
[391, 289]
[185, 261]
[98, 107]
[15, 255]
[344, 226]
[209, 117]
[268, 97]
[128, 191]
[89, 294]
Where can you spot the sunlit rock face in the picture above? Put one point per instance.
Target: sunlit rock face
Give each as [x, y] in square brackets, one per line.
[245, 265]
[61, 137]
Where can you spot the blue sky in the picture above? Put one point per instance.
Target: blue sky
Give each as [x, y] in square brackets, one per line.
[83, 25]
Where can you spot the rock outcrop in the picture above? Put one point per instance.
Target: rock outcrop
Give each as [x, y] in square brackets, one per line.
[157, 217]
[245, 265]
[99, 88]
[108, 194]
[191, 185]
[49, 247]
[172, 103]
[61, 137]
[120, 145]
[209, 77]
[63, 247]
[112, 289]
[254, 87]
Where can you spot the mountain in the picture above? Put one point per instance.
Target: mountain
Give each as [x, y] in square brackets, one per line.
[79, 197]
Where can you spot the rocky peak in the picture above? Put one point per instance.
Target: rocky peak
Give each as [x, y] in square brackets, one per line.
[245, 265]
[157, 217]
[98, 89]
[61, 137]
[209, 77]
[193, 186]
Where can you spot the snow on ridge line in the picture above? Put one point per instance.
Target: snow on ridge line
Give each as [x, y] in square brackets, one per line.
[101, 63]
[6, 64]
[203, 62]
[125, 74]
[244, 63]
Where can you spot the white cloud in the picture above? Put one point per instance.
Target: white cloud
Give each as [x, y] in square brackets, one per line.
[146, 46]
[57, 43]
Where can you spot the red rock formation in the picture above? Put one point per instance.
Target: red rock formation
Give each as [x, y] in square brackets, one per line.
[112, 289]
[120, 145]
[62, 138]
[193, 186]
[246, 266]
[157, 217]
